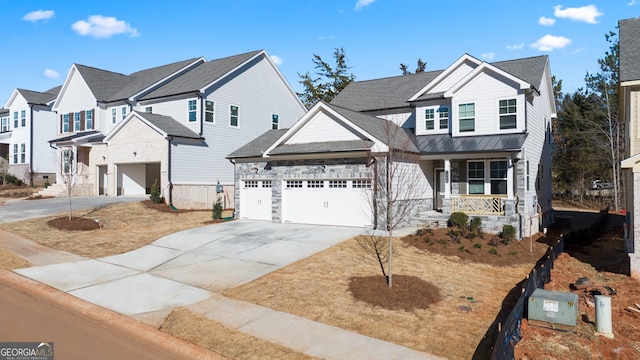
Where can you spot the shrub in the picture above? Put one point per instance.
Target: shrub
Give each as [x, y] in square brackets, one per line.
[11, 179]
[493, 251]
[217, 210]
[459, 220]
[476, 225]
[461, 248]
[47, 184]
[155, 195]
[477, 245]
[508, 233]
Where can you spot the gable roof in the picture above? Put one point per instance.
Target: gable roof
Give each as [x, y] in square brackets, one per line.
[36, 97]
[202, 76]
[165, 125]
[629, 49]
[395, 92]
[102, 83]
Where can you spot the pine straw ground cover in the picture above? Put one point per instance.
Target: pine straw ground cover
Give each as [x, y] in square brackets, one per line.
[466, 296]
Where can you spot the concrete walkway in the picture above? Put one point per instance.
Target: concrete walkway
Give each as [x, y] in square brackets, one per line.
[191, 267]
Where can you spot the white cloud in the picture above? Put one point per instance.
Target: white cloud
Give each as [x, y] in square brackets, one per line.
[51, 74]
[551, 42]
[545, 21]
[588, 14]
[488, 56]
[632, 2]
[331, 37]
[39, 15]
[100, 26]
[515, 47]
[362, 3]
[276, 59]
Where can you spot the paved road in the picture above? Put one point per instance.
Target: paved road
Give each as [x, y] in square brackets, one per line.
[21, 209]
[80, 330]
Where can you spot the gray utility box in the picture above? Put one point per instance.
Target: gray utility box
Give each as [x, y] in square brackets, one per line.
[553, 309]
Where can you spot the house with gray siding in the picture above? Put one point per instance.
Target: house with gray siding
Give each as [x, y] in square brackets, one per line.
[26, 126]
[630, 115]
[477, 133]
[175, 123]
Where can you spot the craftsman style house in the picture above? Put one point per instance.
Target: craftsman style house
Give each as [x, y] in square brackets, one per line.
[630, 115]
[476, 133]
[26, 125]
[175, 123]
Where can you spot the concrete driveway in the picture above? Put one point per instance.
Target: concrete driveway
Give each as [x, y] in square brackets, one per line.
[21, 209]
[188, 266]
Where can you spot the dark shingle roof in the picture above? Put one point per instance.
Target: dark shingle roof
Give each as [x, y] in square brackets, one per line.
[323, 147]
[384, 131]
[36, 97]
[257, 146]
[140, 80]
[201, 76]
[446, 144]
[386, 93]
[102, 83]
[629, 49]
[395, 92]
[169, 125]
[79, 135]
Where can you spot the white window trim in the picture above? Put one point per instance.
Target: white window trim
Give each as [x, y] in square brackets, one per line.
[460, 118]
[448, 117]
[238, 116]
[277, 123]
[189, 111]
[114, 115]
[517, 113]
[213, 113]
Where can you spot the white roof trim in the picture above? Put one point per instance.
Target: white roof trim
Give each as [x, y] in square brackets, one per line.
[317, 108]
[13, 96]
[464, 58]
[480, 69]
[128, 119]
[166, 78]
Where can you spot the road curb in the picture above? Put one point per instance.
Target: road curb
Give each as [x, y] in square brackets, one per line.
[174, 347]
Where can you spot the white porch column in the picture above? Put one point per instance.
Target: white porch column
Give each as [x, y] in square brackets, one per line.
[511, 165]
[447, 178]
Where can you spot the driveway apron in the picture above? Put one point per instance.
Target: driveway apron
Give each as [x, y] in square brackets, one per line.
[186, 267]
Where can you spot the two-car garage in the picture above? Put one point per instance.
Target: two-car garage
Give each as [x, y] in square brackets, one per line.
[342, 202]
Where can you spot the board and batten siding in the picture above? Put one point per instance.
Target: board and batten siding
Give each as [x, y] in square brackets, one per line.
[76, 97]
[323, 127]
[258, 92]
[485, 91]
[453, 78]
[45, 125]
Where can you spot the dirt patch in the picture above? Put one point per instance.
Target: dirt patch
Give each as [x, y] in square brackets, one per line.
[407, 292]
[17, 191]
[604, 261]
[225, 340]
[74, 224]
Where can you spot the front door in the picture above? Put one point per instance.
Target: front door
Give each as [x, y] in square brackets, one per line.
[440, 186]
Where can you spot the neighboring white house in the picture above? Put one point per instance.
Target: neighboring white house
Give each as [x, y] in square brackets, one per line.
[630, 115]
[26, 127]
[480, 132]
[119, 133]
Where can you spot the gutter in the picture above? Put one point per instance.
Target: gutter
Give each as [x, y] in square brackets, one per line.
[31, 144]
[201, 97]
[170, 195]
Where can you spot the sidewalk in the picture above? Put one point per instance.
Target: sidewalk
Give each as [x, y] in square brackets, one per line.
[301, 334]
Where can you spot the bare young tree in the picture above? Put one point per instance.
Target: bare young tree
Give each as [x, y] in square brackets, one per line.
[4, 169]
[399, 187]
[70, 172]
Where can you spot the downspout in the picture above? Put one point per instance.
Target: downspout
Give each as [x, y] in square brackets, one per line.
[201, 97]
[374, 200]
[169, 183]
[31, 144]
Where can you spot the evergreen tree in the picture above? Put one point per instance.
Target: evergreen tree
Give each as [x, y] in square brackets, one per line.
[330, 79]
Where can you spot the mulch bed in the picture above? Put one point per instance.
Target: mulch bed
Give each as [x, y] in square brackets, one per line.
[75, 224]
[408, 292]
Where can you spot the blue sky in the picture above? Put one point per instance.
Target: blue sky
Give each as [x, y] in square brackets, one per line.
[42, 39]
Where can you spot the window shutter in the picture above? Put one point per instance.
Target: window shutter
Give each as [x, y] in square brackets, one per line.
[82, 120]
[61, 126]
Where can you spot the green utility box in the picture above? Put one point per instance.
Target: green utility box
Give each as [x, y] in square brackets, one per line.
[553, 309]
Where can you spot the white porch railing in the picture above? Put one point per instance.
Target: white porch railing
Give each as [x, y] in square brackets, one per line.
[478, 204]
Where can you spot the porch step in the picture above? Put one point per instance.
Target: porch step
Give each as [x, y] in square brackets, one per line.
[54, 190]
[430, 219]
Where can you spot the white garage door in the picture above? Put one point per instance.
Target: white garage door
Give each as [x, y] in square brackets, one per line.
[342, 202]
[255, 199]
